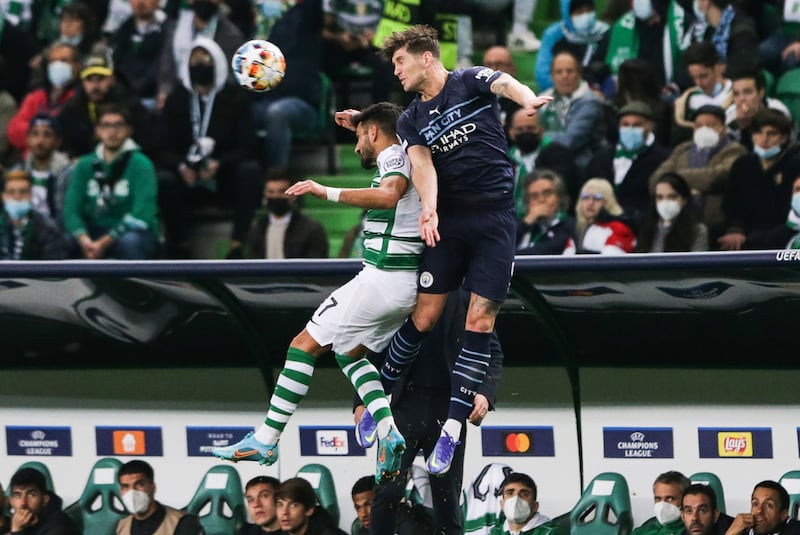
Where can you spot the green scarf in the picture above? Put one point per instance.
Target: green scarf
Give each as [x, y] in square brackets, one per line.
[622, 152]
[624, 42]
[793, 222]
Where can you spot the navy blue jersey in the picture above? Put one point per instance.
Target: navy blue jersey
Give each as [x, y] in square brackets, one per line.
[461, 126]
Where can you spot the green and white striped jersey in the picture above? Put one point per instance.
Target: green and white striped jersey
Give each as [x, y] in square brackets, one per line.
[391, 237]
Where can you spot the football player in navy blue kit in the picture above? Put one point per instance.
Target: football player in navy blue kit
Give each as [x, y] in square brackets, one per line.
[459, 154]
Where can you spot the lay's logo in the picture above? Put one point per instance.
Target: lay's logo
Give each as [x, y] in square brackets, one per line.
[735, 444]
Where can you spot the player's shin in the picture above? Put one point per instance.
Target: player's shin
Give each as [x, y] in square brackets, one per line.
[402, 351]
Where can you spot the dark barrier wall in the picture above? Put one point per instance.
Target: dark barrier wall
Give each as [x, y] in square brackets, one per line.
[691, 310]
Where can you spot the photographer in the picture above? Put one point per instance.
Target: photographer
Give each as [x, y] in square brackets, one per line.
[207, 148]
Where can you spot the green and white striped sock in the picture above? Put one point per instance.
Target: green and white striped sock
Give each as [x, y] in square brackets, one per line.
[365, 379]
[291, 388]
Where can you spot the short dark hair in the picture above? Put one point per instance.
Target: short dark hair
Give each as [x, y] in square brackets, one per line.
[672, 477]
[750, 74]
[136, 466]
[263, 480]
[417, 39]
[28, 477]
[771, 117]
[116, 109]
[519, 477]
[783, 494]
[701, 53]
[382, 114]
[698, 488]
[364, 484]
[298, 490]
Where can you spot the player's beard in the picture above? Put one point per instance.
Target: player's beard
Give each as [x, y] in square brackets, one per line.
[368, 157]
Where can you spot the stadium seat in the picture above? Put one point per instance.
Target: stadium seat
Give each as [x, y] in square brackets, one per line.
[321, 480]
[43, 469]
[707, 478]
[788, 92]
[791, 482]
[99, 507]
[481, 501]
[324, 130]
[218, 501]
[604, 508]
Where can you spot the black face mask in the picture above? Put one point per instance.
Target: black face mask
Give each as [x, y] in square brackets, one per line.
[527, 142]
[278, 207]
[201, 74]
[205, 9]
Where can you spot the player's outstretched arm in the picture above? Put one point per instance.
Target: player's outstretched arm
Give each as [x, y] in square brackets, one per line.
[345, 118]
[387, 195]
[509, 87]
[426, 181]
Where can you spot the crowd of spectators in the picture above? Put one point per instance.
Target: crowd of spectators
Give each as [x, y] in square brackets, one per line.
[642, 89]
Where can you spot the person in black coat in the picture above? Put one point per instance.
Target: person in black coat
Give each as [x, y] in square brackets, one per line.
[629, 165]
[759, 193]
[545, 228]
[421, 398]
[207, 147]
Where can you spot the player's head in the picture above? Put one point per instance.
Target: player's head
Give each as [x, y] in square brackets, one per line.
[769, 505]
[375, 128]
[363, 493]
[699, 509]
[519, 497]
[413, 52]
[296, 502]
[667, 492]
[137, 487]
[259, 494]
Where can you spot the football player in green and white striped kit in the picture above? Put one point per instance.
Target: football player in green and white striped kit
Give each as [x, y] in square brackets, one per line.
[363, 314]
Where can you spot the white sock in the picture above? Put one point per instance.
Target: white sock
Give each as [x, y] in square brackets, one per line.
[453, 428]
[520, 27]
[384, 426]
[267, 435]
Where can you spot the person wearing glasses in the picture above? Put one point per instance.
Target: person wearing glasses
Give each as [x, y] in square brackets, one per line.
[601, 227]
[545, 228]
[110, 208]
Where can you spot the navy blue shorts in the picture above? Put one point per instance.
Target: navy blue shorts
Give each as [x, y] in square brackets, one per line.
[476, 249]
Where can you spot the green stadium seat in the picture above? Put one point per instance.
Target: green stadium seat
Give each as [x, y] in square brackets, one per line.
[788, 92]
[324, 130]
[43, 469]
[604, 508]
[218, 501]
[707, 478]
[791, 482]
[321, 480]
[99, 507]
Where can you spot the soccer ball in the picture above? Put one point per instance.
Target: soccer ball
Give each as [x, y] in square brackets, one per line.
[258, 65]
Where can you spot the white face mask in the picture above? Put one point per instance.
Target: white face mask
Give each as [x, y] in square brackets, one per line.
[668, 210]
[516, 510]
[666, 512]
[136, 501]
[643, 9]
[796, 203]
[584, 22]
[705, 137]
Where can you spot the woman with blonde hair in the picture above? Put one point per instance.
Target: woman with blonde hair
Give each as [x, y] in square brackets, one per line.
[600, 224]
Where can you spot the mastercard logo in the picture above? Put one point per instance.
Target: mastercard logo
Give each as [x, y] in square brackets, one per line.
[518, 442]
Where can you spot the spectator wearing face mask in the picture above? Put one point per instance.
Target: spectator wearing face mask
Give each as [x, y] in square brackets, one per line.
[671, 225]
[582, 34]
[705, 163]
[729, 29]
[205, 18]
[62, 78]
[281, 230]
[521, 509]
[528, 151]
[759, 193]
[629, 165]
[667, 492]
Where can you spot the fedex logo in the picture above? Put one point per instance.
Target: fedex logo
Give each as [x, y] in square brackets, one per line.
[332, 442]
[735, 444]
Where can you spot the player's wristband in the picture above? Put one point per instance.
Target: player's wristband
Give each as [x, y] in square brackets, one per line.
[333, 194]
